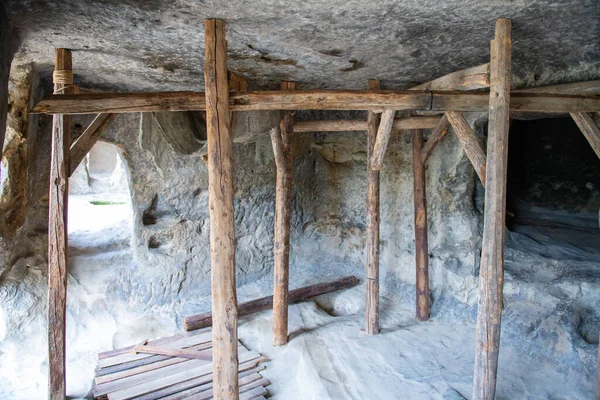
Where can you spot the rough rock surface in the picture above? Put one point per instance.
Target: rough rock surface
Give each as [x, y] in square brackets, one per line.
[158, 45]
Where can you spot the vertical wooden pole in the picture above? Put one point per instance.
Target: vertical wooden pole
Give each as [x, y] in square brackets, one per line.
[283, 214]
[220, 200]
[598, 382]
[372, 264]
[421, 249]
[57, 230]
[491, 276]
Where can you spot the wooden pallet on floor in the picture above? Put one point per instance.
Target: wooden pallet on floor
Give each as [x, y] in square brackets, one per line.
[174, 368]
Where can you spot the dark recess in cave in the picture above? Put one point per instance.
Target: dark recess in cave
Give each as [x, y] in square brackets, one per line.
[553, 175]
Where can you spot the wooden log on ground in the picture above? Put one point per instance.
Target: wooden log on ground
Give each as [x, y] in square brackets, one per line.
[283, 216]
[589, 129]
[88, 139]
[95, 103]
[420, 217]
[264, 303]
[437, 134]
[220, 198]
[469, 142]
[57, 230]
[372, 261]
[467, 79]
[165, 351]
[491, 277]
[348, 125]
[383, 137]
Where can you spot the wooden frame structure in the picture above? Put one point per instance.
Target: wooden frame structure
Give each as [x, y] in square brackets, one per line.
[447, 95]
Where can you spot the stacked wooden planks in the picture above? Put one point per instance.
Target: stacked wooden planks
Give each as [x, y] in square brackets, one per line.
[176, 367]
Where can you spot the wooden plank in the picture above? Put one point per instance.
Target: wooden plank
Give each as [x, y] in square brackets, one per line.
[469, 142]
[467, 79]
[283, 216]
[95, 103]
[587, 88]
[220, 199]
[491, 277]
[372, 250]
[161, 381]
[247, 368]
[88, 139]
[265, 303]
[57, 233]
[178, 344]
[590, 130]
[420, 217]
[346, 125]
[205, 392]
[383, 137]
[258, 391]
[164, 351]
[155, 342]
[437, 134]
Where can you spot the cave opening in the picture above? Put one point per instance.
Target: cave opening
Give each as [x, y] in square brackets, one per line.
[553, 185]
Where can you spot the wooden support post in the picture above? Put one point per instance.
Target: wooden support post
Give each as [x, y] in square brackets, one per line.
[437, 134]
[491, 277]
[282, 138]
[598, 382]
[383, 137]
[57, 230]
[372, 264]
[589, 129]
[421, 249]
[220, 199]
[88, 139]
[469, 142]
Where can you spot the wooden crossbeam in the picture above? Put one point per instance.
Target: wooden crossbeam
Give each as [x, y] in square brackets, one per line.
[587, 88]
[220, 199]
[383, 137]
[469, 142]
[350, 125]
[94, 103]
[589, 129]
[436, 136]
[491, 276]
[88, 139]
[467, 79]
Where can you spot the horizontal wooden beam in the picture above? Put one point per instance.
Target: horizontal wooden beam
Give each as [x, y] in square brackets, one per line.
[95, 103]
[349, 125]
[467, 79]
[587, 88]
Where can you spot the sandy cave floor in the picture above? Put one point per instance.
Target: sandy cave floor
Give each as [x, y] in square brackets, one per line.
[329, 358]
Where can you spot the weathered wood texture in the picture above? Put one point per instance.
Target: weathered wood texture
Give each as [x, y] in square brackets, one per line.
[283, 216]
[436, 136]
[491, 277]
[95, 103]
[264, 303]
[590, 130]
[577, 88]
[88, 139]
[220, 198]
[467, 79]
[598, 381]
[348, 125]
[57, 235]
[383, 137]
[421, 248]
[469, 142]
[372, 256]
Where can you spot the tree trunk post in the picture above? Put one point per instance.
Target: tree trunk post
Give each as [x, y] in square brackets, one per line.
[220, 199]
[57, 229]
[421, 249]
[491, 275]
[372, 262]
[283, 214]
